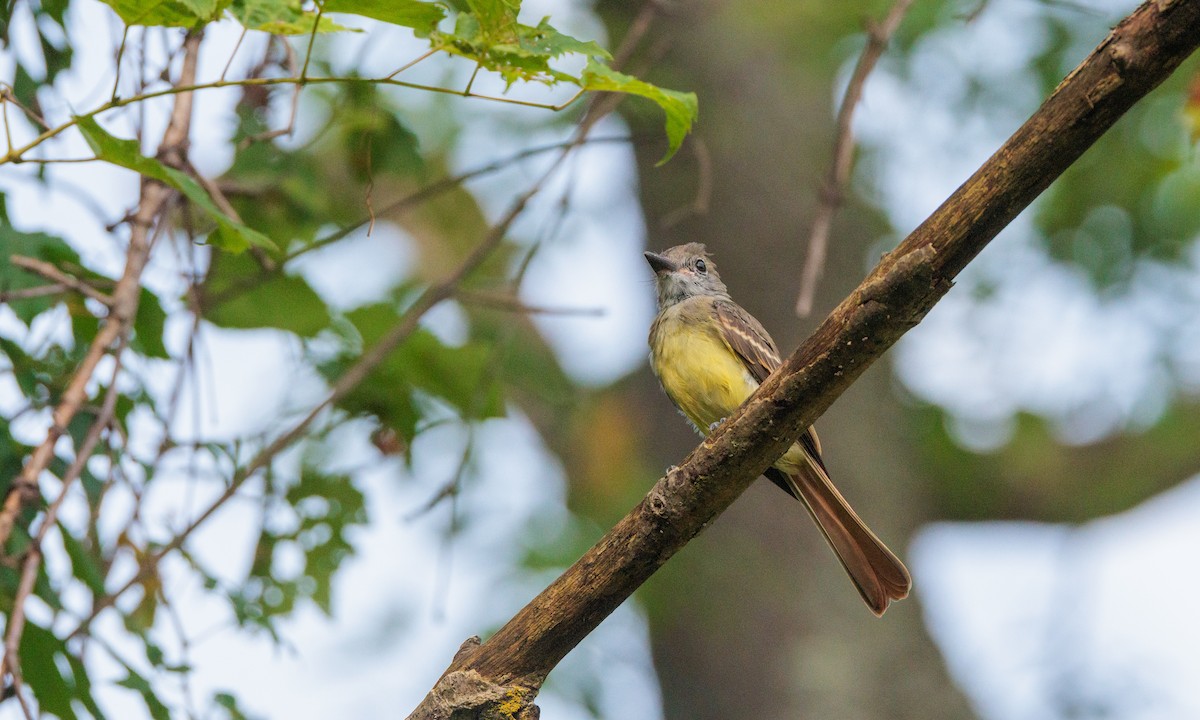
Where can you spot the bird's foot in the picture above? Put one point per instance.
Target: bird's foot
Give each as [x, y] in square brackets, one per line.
[714, 425]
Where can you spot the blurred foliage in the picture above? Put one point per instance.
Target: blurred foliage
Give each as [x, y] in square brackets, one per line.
[1035, 475]
[1105, 222]
[1127, 210]
[238, 242]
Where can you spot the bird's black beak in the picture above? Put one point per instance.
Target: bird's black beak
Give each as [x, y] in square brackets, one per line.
[659, 263]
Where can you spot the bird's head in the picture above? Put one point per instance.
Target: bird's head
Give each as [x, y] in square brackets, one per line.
[685, 271]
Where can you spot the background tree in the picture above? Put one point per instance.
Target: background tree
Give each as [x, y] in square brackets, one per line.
[957, 78]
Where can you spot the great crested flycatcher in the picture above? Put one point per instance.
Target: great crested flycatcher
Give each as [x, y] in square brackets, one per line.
[710, 355]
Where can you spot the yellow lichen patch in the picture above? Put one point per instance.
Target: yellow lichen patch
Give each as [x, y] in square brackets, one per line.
[515, 700]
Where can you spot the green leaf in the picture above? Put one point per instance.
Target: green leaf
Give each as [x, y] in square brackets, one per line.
[165, 13]
[373, 139]
[281, 17]
[84, 564]
[462, 376]
[229, 703]
[497, 18]
[407, 364]
[237, 293]
[83, 687]
[422, 17]
[229, 235]
[39, 652]
[323, 525]
[547, 40]
[491, 36]
[526, 363]
[148, 327]
[24, 368]
[142, 686]
[681, 108]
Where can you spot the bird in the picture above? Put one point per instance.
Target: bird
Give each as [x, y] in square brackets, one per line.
[710, 354]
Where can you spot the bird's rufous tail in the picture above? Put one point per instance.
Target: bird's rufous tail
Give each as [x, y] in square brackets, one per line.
[877, 573]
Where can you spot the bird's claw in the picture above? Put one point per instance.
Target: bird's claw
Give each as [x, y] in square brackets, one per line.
[714, 425]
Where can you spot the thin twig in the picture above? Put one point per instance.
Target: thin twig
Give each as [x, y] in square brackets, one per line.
[467, 90]
[23, 702]
[237, 46]
[33, 558]
[442, 186]
[312, 38]
[23, 491]
[52, 273]
[510, 303]
[370, 185]
[17, 681]
[6, 91]
[14, 155]
[832, 193]
[59, 161]
[287, 130]
[348, 381]
[7, 124]
[120, 57]
[8, 296]
[446, 554]
[412, 62]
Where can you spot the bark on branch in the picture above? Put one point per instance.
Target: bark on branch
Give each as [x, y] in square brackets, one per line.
[501, 677]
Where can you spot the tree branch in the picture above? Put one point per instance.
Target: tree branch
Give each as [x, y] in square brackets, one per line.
[503, 675]
[16, 154]
[50, 272]
[354, 375]
[833, 190]
[154, 196]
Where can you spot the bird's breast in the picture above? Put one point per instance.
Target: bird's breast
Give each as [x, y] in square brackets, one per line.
[698, 371]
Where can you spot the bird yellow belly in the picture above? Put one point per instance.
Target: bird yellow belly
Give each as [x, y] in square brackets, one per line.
[700, 373]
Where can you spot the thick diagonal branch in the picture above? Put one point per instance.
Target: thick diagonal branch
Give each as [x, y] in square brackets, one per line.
[1139, 54]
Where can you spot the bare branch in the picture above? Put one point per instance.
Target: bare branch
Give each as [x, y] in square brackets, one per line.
[7, 95]
[15, 154]
[7, 296]
[233, 54]
[288, 129]
[833, 191]
[50, 272]
[33, 558]
[443, 186]
[509, 303]
[1141, 52]
[154, 197]
[410, 63]
[312, 38]
[349, 380]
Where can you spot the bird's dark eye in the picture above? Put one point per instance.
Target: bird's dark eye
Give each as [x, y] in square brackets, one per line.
[701, 267]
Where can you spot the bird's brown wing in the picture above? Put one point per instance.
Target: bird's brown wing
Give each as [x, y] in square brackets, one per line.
[746, 337]
[753, 345]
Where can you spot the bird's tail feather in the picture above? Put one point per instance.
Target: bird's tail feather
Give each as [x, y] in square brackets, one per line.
[877, 573]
